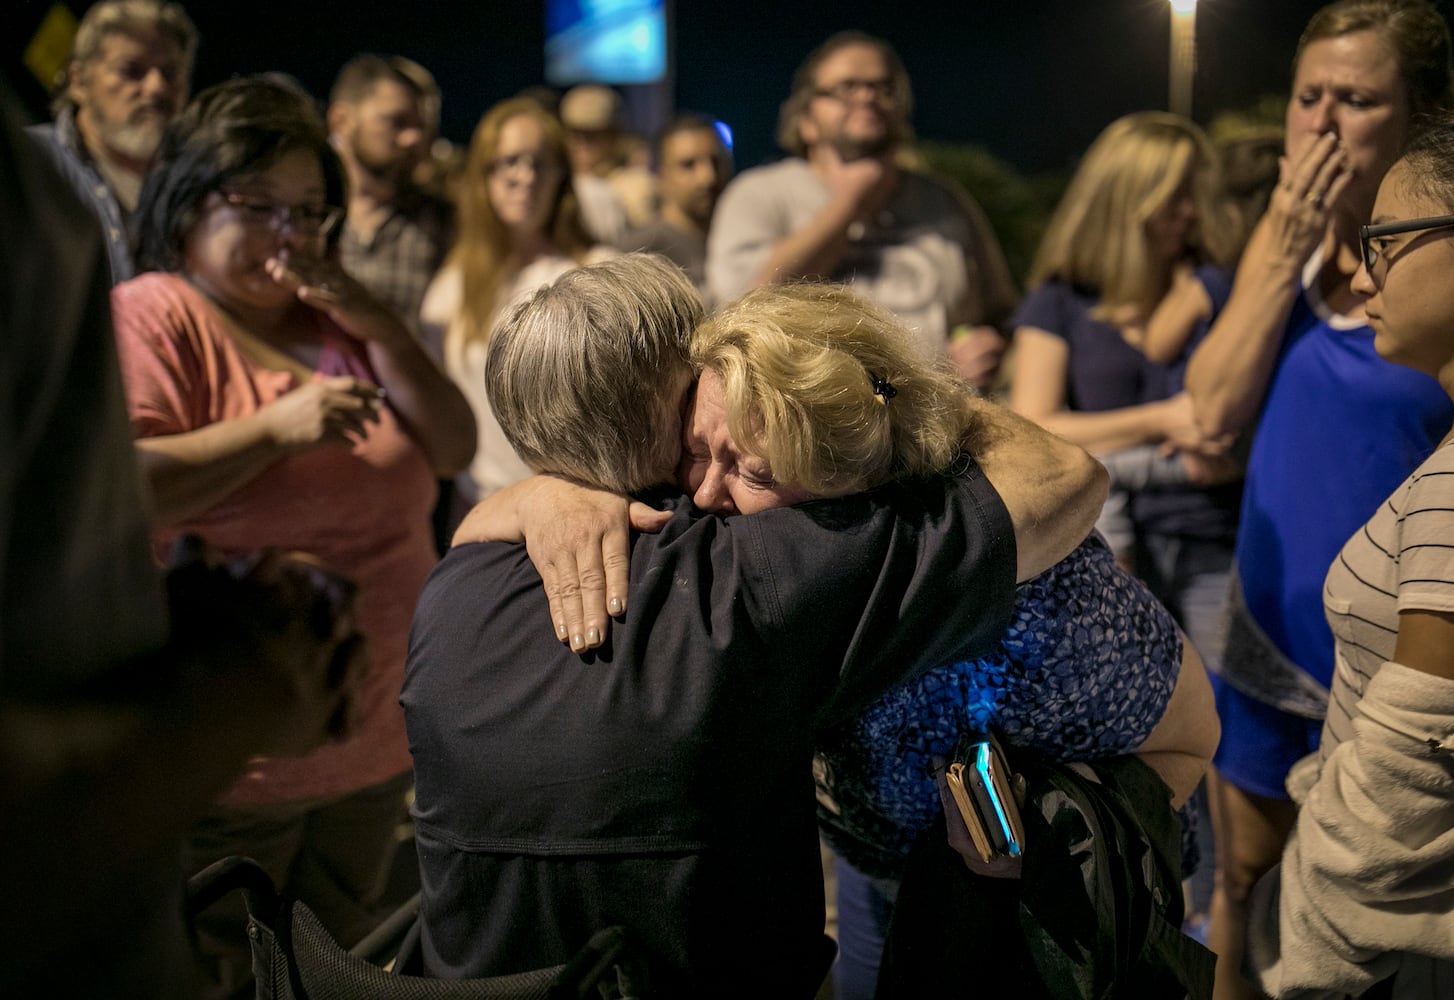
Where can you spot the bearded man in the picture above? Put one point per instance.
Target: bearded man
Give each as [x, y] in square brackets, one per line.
[692, 168]
[845, 206]
[128, 76]
[382, 115]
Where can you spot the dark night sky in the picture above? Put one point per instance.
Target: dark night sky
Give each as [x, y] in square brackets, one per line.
[1032, 81]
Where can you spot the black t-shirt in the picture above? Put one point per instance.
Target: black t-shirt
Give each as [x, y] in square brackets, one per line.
[665, 782]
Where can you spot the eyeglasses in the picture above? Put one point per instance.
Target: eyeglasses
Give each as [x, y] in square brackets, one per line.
[305, 220]
[540, 166]
[1372, 238]
[843, 90]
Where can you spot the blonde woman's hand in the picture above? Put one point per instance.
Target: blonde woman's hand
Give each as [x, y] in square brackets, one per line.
[336, 409]
[579, 540]
[959, 839]
[1302, 204]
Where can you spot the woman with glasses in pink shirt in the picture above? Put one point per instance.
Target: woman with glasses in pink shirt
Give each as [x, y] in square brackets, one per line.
[278, 405]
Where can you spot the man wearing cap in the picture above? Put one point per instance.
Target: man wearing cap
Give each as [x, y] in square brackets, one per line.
[612, 196]
[843, 207]
[128, 77]
[692, 168]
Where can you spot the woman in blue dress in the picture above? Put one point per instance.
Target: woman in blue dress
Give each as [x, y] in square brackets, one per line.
[1334, 428]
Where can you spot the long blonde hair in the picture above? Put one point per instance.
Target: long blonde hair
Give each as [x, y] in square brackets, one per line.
[483, 252]
[1097, 237]
[830, 390]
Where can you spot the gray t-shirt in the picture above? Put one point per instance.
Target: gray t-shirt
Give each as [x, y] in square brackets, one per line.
[929, 257]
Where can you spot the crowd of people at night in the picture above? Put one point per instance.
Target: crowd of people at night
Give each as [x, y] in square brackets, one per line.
[658, 548]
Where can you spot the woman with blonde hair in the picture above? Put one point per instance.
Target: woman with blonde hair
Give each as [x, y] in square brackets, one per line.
[1126, 274]
[809, 391]
[1129, 275]
[519, 228]
[1142, 202]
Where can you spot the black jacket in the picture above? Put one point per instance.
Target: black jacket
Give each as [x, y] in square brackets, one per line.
[1097, 912]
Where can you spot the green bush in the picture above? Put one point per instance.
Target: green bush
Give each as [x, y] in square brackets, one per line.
[1018, 207]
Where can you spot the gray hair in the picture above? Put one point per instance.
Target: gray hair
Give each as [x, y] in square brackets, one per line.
[110, 17]
[580, 375]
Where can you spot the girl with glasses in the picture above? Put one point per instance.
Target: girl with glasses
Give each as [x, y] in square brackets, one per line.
[519, 228]
[1363, 896]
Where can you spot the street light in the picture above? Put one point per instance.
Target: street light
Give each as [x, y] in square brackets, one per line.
[1183, 55]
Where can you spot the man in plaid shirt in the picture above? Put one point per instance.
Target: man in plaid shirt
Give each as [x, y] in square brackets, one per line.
[381, 116]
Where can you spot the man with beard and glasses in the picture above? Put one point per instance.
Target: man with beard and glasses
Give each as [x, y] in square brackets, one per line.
[128, 77]
[395, 236]
[844, 207]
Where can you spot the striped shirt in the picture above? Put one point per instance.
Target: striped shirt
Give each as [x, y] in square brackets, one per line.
[1401, 560]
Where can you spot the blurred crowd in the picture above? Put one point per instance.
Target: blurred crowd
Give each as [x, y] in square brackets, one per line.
[587, 505]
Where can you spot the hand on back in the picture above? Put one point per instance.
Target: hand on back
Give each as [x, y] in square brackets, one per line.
[579, 540]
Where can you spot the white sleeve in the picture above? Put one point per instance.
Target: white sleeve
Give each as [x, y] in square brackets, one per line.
[1369, 870]
[744, 228]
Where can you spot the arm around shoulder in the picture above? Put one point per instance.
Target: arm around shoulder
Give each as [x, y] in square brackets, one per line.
[1052, 489]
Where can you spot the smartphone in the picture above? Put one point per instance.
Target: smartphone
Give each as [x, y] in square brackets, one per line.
[979, 781]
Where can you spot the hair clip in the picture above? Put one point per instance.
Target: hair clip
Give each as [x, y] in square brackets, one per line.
[883, 388]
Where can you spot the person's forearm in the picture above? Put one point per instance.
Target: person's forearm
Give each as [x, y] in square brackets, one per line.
[501, 516]
[1099, 432]
[189, 473]
[1180, 746]
[1052, 489]
[815, 249]
[1228, 373]
[1143, 467]
[430, 405]
[1175, 317]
